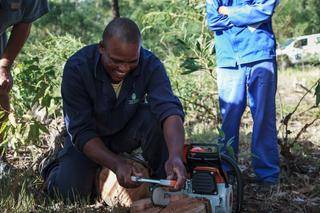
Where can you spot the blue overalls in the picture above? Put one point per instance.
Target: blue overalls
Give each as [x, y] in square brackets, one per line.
[16, 11]
[91, 110]
[245, 53]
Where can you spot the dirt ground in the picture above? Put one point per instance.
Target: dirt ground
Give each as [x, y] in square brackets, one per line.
[298, 191]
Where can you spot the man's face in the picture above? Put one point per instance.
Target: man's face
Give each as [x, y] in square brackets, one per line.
[119, 58]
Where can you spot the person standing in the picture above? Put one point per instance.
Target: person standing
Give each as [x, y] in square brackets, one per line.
[18, 14]
[247, 71]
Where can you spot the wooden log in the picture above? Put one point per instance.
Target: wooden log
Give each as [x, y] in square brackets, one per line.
[188, 205]
[143, 205]
[183, 205]
[114, 194]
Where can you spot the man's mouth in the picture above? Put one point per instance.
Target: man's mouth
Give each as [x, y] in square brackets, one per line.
[118, 75]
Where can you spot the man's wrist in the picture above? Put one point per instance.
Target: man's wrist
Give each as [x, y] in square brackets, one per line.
[118, 162]
[175, 155]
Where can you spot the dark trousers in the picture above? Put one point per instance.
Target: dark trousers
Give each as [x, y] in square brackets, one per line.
[75, 175]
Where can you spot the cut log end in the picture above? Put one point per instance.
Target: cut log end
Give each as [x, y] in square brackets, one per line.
[113, 194]
[182, 205]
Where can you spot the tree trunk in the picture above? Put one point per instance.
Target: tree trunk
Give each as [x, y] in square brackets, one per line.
[115, 9]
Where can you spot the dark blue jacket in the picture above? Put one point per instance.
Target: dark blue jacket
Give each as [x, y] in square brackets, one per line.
[245, 35]
[90, 106]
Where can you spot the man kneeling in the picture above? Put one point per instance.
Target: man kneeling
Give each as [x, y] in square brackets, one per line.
[116, 97]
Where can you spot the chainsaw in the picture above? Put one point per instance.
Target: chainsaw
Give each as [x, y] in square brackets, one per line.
[207, 178]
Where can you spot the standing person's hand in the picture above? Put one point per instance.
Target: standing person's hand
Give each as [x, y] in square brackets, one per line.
[6, 80]
[124, 171]
[223, 10]
[176, 171]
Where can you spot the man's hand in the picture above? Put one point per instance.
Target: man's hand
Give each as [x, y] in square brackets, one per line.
[5, 79]
[223, 10]
[124, 171]
[176, 171]
[96, 150]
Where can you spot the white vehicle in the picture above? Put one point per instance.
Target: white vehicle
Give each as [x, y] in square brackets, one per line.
[302, 49]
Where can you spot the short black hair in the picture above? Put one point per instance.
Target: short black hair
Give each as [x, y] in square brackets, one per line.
[124, 29]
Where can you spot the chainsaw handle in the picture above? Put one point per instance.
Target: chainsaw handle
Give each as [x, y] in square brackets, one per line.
[162, 182]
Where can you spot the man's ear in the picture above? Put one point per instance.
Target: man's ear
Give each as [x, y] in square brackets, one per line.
[102, 47]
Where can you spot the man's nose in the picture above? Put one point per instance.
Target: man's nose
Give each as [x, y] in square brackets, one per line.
[124, 67]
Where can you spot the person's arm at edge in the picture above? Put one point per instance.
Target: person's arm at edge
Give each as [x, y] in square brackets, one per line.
[245, 15]
[19, 34]
[174, 136]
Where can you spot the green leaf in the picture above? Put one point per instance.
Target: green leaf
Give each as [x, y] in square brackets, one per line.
[181, 44]
[32, 68]
[198, 45]
[33, 133]
[190, 65]
[230, 141]
[3, 127]
[221, 133]
[229, 148]
[43, 128]
[2, 114]
[230, 151]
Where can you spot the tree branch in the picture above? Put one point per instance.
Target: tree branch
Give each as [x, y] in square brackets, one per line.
[115, 9]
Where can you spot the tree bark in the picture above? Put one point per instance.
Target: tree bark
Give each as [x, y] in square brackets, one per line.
[115, 9]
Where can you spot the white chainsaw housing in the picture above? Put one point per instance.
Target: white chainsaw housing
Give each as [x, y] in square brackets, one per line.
[220, 203]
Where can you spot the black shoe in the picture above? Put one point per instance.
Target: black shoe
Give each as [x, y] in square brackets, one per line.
[46, 168]
[249, 178]
[48, 163]
[267, 187]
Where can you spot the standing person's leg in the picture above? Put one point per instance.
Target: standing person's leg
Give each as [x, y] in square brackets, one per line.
[232, 99]
[143, 130]
[262, 83]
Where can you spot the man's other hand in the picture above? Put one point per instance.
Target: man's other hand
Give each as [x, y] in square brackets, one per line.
[5, 80]
[176, 171]
[223, 10]
[124, 171]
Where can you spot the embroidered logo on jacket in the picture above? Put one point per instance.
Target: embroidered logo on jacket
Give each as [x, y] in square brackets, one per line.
[133, 99]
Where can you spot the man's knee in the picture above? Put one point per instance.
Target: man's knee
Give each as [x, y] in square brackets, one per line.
[73, 178]
[69, 191]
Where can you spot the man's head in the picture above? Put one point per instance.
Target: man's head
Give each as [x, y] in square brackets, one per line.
[120, 48]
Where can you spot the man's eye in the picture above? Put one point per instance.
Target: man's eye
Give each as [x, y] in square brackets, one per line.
[116, 61]
[133, 62]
